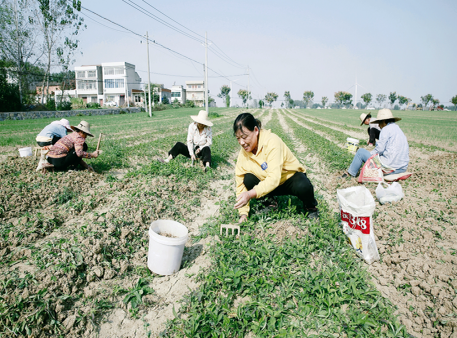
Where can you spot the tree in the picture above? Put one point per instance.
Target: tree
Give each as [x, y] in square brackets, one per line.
[287, 99]
[271, 97]
[9, 93]
[261, 104]
[367, 97]
[426, 99]
[435, 102]
[380, 99]
[58, 22]
[402, 100]
[308, 97]
[244, 95]
[343, 98]
[454, 102]
[392, 98]
[225, 95]
[324, 101]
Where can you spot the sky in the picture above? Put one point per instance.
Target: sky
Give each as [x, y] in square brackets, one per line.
[294, 45]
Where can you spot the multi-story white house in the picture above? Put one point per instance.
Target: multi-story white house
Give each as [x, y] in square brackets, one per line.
[178, 93]
[113, 82]
[195, 91]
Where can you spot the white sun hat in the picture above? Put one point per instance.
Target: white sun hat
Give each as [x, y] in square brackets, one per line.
[202, 118]
[84, 127]
[385, 114]
[363, 117]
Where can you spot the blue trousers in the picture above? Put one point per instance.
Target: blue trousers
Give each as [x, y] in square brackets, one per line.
[361, 156]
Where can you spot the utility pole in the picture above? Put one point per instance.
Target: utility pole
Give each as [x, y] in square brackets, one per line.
[206, 73]
[149, 76]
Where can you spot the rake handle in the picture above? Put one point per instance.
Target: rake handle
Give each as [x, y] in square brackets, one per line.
[99, 139]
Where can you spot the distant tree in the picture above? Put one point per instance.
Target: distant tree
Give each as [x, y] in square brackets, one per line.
[165, 100]
[380, 99]
[343, 98]
[435, 102]
[402, 100]
[225, 95]
[367, 97]
[244, 96]
[392, 98]
[324, 101]
[282, 104]
[287, 98]
[308, 97]
[426, 99]
[454, 102]
[271, 97]
[261, 104]
[291, 103]
[9, 93]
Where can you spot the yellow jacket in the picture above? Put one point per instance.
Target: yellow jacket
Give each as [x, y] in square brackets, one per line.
[273, 164]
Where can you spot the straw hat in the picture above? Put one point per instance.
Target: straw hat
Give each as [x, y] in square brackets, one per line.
[385, 114]
[84, 127]
[202, 118]
[363, 117]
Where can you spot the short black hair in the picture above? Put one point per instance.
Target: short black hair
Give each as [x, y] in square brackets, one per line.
[246, 120]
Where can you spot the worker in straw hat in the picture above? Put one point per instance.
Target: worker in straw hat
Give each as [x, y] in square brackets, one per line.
[70, 150]
[392, 146]
[199, 140]
[53, 132]
[373, 128]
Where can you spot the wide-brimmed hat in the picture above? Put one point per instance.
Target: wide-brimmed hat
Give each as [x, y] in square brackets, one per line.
[363, 117]
[202, 118]
[385, 114]
[84, 127]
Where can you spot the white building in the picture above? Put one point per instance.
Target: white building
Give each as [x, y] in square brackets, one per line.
[162, 92]
[113, 82]
[195, 91]
[178, 93]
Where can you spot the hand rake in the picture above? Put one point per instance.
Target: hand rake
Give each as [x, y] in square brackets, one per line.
[225, 229]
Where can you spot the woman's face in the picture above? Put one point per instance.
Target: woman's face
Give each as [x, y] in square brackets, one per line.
[367, 121]
[248, 139]
[83, 134]
[382, 124]
[200, 126]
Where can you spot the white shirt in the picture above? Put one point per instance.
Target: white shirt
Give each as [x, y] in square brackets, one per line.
[194, 138]
[392, 147]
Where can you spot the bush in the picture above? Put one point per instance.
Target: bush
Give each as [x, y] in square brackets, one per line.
[77, 103]
[65, 105]
[93, 105]
[189, 104]
[122, 112]
[50, 104]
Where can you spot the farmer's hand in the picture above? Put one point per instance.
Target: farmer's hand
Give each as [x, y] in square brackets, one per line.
[244, 198]
[94, 154]
[193, 157]
[197, 151]
[243, 218]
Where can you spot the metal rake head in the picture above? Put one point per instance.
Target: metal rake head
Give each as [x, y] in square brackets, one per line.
[230, 229]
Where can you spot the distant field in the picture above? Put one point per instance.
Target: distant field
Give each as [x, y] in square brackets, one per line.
[437, 128]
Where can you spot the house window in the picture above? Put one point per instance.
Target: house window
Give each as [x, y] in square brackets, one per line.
[176, 94]
[114, 83]
[137, 98]
[86, 85]
[91, 73]
[80, 74]
[93, 99]
[118, 71]
[109, 98]
[113, 70]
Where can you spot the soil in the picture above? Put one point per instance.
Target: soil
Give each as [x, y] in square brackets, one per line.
[48, 218]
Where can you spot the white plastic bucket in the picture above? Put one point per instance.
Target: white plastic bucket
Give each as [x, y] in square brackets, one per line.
[352, 144]
[165, 253]
[24, 152]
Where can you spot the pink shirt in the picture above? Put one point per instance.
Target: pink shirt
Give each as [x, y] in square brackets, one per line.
[65, 144]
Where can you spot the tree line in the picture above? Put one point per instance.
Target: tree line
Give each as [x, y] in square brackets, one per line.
[36, 37]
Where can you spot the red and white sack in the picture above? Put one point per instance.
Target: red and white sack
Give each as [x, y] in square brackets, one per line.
[356, 208]
[373, 170]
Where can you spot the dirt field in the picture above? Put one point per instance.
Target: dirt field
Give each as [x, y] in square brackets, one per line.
[69, 242]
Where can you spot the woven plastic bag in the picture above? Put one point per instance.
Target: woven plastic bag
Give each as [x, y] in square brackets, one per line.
[356, 209]
[373, 170]
[391, 193]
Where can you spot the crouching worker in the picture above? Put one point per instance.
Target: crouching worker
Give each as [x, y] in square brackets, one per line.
[70, 150]
[392, 146]
[373, 128]
[199, 140]
[267, 167]
[53, 132]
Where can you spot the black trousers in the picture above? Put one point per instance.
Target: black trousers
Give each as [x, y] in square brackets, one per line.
[374, 135]
[53, 141]
[181, 149]
[70, 160]
[298, 185]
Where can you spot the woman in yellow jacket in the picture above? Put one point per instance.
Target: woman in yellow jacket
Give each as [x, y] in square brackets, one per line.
[267, 167]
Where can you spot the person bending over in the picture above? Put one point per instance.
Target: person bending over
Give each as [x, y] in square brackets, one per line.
[373, 128]
[267, 167]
